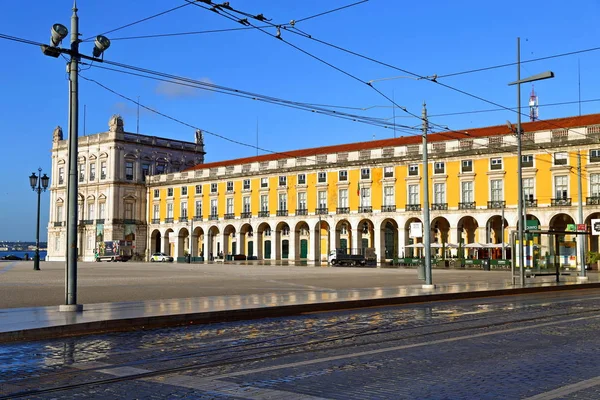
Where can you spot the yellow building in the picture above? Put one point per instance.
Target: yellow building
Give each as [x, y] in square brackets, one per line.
[301, 204]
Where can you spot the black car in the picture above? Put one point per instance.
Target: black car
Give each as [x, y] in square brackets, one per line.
[12, 257]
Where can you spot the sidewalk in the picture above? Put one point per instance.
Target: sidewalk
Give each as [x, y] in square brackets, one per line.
[285, 299]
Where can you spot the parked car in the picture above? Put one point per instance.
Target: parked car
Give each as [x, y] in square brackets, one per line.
[12, 257]
[114, 258]
[160, 257]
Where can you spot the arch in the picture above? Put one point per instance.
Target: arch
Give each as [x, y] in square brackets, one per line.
[264, 241]
[93, 157]
[388, 246]
[467, 230]
[302, 239]
[183, 242]
[593, 243]
[365, 233]
[495, 230]
[168, 243]
[197, 249]
[322, 231]
[213, 244]
[343, 235]
[412, 241]
[246, 237]
[229, 240]
[155, 241]
[282, 241]
[560, 221]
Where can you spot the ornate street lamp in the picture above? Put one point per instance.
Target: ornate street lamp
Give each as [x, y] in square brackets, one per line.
[39, 185]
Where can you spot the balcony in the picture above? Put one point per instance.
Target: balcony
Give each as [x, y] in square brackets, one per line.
[466, 205]
[198, 218]
[301, 211]
[229, 216]
[530, 203]
[321, 210]
[87, 222]
[592, 201]
[282, 213]
[391, 208]
[156, 220]
[168, 220]
[439, 206]
[413, 207]
[342, 210]
[129, 221]
[246, 214]
[183, 219]
[100, 221]
[57, 224]
[264, 214]
[562, 202]
[365, 209]
[496, 204]
[213, 217]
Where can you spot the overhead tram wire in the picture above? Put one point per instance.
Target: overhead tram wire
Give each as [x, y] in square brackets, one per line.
[330, 11]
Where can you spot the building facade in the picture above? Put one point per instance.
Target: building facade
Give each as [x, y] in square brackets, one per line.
[112, 173]
[301, 204]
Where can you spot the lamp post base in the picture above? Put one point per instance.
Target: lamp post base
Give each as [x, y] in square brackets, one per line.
[70, 308]
[425, 286]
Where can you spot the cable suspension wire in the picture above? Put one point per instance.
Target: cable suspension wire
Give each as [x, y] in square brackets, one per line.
[330, 11]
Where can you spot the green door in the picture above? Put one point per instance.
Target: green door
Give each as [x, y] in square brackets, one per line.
[234, 248]
[343, 243]
[303, 248]
[285, 249]
[267, 249]
[365, 243]
[250, 249]
[389, 242]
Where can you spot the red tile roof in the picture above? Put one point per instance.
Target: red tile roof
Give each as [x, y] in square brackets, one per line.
[558, 123]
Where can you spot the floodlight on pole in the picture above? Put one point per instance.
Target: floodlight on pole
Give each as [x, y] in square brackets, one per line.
[58, 33]
[100, 45]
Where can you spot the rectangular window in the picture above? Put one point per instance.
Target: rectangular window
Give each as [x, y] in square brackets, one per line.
[343, 175]
[413, 194]
[61, 175]
[302, 200]
[413, 170]
[528, 189]
[264, 202]
[103, 170]
[198, 189]
[439, 167]
[322, 199]
[230, 186]
[301, 179]
[246, 204]
[246, 184]
[156, 193]
[229, 205]
[283, 181]
[145, 171]
[561, 158]
[322, 177]
[59, 213]
[169, 192]
[161, 168]
[343, 198]
[264, 182]
[496, 189]
[214, 211]
[594, 185]
[169, 210]
[561, 187]
[496, 163]
[128, 210]
[365, 173]
[184, 190]
[198, 211]
[81, 172]
[101, 210]
[388, 172]
[156, 212]
[467, 166]
[183, 213]
[467, 191]
[213, 188]
[388, 196]
[365, 196]
[439, 193]
[527, 160]
[129, 170]
[92, 172]
[594, 155]
[282, 201]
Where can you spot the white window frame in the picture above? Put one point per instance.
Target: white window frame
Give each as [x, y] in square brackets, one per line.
[466, 191]
[343, 198]
[564, 183]
[343, 175]
[496, 190]
[322, 177]
[413, 194]
[388, 196]
[439, 193]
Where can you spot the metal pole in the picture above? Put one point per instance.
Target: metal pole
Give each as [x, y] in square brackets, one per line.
[426, 222]
[503, 248]
[36, 259]
[71, 286]
[519, 168]
[581, 242]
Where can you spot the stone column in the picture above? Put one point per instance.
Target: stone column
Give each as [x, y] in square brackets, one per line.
[379, 250]
[292, 249]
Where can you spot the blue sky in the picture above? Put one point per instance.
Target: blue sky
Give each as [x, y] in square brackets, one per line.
[435, 37]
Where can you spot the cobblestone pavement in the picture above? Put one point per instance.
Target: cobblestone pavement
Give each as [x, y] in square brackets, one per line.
[542, 346]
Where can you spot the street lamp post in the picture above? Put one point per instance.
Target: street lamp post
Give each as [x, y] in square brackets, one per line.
[39, 184]
[520, 219]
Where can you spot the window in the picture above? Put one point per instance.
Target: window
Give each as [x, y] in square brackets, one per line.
[439, 167]
[439, 193]
[59, 213]
[496, 189]
[466, 189]
[129, 170]
[467, 165]
[365, 196]
[183, 213]
[264, 202]
[283, 181]
[413, 194]
[527, 160]
[170, 192]
[61, 175]
[561, 158]
[301, 179]
[302, 200]
[388, 196]
[198, 211]
[81, 172]
[145, 171]
[170, 210]
[213, 188]
[184, 190]
[344, 229]
[246, 204]
[322, 199]
[343, 198]
[595, 155]
[156, 193]
[413, 169]
[161, 168]
[198, 189]
[282, 201]
[102, 210]
[528, 189]
[561, 187]
[343, 175]
[496, 163]
[128, 210]
[103, 170]
[365, 173]
[322, 177]
[229, 205]
[214, 211]
[594, 185]
[156, 212]
[246, 184]
[229, 186]
[388, 172]
[264, 182]
[92, 172]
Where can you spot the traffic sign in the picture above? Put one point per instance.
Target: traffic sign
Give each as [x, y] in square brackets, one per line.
[595, 227]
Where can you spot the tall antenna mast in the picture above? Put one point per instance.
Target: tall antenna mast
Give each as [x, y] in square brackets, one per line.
[533, 106]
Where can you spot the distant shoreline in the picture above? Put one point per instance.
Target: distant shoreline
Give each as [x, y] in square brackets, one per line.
[21, 254]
